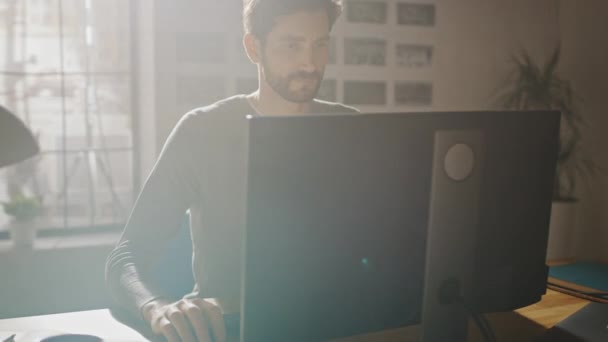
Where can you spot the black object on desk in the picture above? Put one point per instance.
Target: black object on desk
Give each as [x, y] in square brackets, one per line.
[72, 338]
[589, 324]
[10, 338]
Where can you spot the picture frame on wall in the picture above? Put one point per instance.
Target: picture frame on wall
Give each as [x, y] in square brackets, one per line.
[371, 12]
[365, 92]
[413, 55]
[413, 93]
[365, 51]
[417, 14]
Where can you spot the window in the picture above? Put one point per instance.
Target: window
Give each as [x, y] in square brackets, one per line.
[65, 71]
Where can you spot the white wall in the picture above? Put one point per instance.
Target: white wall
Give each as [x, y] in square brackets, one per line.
[584, 27]
[476, 39]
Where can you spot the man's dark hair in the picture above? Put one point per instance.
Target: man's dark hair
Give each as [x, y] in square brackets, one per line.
[259, 15]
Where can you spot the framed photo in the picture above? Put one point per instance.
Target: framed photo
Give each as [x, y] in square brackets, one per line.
[200, 47]
[369, 51]
[413, 55]
[327, 91]
[365, 93]
[415, 14]
[409, 93]
[361, 11]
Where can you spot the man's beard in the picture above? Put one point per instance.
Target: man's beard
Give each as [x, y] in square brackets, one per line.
[281, 85]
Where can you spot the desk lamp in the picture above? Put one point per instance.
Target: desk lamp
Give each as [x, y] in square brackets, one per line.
[16, 141]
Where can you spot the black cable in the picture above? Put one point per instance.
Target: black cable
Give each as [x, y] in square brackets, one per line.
[485, 323]
[598, 294]
[482, 328]
[449, 293]
[482, 324]
[488, 326]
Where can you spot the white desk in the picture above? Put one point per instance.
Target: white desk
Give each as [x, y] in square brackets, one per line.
[95, 322]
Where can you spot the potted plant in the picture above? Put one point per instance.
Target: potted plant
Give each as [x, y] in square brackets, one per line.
[531, 87]
[23, 210]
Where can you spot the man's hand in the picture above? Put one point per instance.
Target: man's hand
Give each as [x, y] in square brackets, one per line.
[187, 320]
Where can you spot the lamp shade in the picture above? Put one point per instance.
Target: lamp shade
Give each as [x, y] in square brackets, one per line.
[16, 141]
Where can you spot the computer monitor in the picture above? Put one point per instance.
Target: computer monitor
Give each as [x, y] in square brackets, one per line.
[341, 209]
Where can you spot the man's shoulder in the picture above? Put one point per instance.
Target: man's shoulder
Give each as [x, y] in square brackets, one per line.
[326, 107]
[193, 122]
[234, 105]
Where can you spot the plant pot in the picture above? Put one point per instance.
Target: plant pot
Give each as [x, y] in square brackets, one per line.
[23, 233]
[561, 231]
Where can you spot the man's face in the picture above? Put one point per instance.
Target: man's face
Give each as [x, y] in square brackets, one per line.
[295, 53]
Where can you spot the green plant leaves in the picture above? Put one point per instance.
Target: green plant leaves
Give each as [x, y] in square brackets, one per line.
[531, 86]
[23, 208]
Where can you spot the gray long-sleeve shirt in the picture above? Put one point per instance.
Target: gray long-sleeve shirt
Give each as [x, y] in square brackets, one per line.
[202, 167]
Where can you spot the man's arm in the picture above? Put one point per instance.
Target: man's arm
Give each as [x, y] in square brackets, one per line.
[155, 219]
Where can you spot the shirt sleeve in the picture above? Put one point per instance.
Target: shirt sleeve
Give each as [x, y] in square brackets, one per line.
[155, 219]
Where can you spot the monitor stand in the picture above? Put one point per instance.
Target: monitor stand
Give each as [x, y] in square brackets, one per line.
[450, 246]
